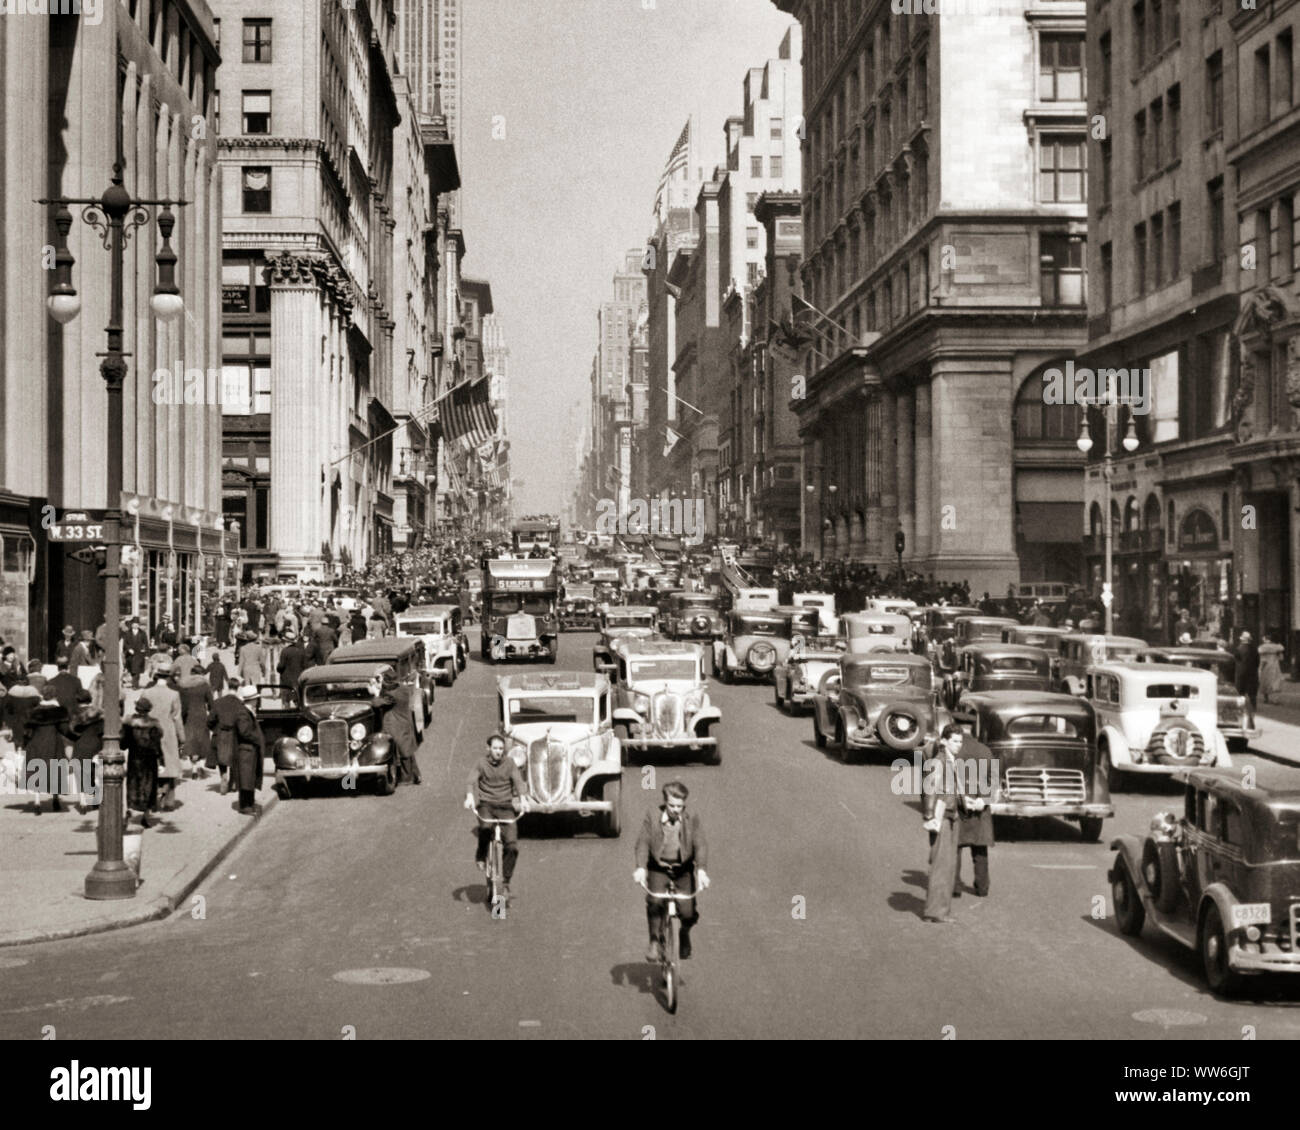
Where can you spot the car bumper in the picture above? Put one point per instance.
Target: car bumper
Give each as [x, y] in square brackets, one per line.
[1157, 769]
[583, 807]
[642, 741]
[1014, 808]
[1243, 732]
[1246, 961]
[332, 773]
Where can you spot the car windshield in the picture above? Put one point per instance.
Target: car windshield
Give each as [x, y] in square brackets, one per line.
[653, 670]
[317, 693]
[548, 709]
[758, 627]
[1121, 651]
[627, 622]
[514, 604]
[1015, 664]
[888, 674]
[1040, 724]
[984, 631]
[420, 628]
[1172, 690]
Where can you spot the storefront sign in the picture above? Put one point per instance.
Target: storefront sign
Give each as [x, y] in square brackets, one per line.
[78, 525]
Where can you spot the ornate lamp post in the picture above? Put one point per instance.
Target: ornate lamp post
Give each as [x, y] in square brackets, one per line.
[1084, 443]
[113, 215]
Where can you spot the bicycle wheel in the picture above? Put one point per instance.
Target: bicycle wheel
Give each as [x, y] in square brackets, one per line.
[496, 900]
[671, 958]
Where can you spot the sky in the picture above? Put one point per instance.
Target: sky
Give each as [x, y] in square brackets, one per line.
[593, 94]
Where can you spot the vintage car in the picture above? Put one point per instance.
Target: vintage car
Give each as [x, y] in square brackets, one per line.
[968, 630]
[1076, 651]
[336, 725]
[693, 615]
[406, 657]
[1155, 718]
[824, 602]
[876, 631]
[1044, 637]
[935, 624]
[997, 667]
[1044, 746]
[1234, 714]
[796, 680]
[608, 585]
[805, 623]
[878, 701]
[661, 700]
[559, 731]
[633, 621]
[439, 628]
[891, 604]
[752, 644]
[578, 608]
[1222, 877]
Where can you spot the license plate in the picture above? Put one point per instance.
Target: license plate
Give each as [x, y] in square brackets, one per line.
[1251, 914]
[315, 762]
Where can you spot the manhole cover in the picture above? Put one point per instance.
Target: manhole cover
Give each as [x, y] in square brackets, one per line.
[382, 976]
[12, 962]
[1169, 1017]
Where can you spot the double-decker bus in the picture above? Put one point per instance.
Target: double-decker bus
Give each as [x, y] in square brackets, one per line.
[525, 536]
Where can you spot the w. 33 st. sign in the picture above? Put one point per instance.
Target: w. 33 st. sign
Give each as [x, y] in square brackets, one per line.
[78, 525]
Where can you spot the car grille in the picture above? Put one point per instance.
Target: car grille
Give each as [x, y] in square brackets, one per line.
[1044, 786]
[519, 628]
[1186, 751]
[1295, 927]
[667, 714]
[1230, 713]
[332, 742]
[549, 770]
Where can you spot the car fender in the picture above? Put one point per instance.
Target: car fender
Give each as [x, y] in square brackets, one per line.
[1074, 685]
[1129, 848]
[778, 678]
[706, 714]
[285, 745]
[1222, 759]
[1118, 744]
[821, 708]
[1221, 895]
[628, 715]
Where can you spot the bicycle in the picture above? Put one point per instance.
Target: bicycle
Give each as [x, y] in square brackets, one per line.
[670, 943]
[494, 867]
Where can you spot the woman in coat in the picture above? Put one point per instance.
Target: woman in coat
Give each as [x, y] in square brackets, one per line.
[18, 704]
[142, 738]
[47, 736]
[196, 704]
[88, 725]
[1270, 668]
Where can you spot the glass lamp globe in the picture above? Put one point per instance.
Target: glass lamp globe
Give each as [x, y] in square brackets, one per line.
[1084, 443]
[64, 307]
[167, 307]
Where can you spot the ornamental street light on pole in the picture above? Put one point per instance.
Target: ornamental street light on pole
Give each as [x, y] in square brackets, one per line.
[1084, 443]
[113, 215]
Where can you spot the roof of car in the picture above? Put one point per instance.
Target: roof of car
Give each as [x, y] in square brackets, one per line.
[560, 682]
[626, 609]
[1273, 784]
[341, 672]
[635, 648]
[891, 658]
[385, 648]
[1045, 629]
[416, 611]
[1026, 702]
[981, 618]
[1190, 652]
[955, 609]
[1127, 641]
[1150, 671]
[993, 648]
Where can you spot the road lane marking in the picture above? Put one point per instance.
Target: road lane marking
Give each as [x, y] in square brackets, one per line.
[1067, 866]
[382, 976]
[1169, 1017]
[530, 1024]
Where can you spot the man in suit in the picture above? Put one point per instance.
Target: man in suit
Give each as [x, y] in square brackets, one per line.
[671, 846]
[293, 662]
[65, 686]
[399, 723]
[64, 647]
[167, 710]
[947, 797]
[325, 637]
[83, 653]
[185, 664]
[250, 751]
[223, 721]
[135, 650]
[1247, 677]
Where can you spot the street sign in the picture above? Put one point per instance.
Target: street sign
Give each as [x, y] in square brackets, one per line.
[78, 525]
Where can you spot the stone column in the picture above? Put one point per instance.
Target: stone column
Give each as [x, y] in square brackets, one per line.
[295, 398]
[875, 476]
[905, 420]
[814, 455]
[887, 446]
[922, 479]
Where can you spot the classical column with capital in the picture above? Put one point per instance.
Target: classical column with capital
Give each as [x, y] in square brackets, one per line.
[875, 476]
[923, 480]
[905, 421]
[888, 476]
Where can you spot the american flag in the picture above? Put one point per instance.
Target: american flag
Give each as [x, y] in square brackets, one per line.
[679, 158]
[466, 412]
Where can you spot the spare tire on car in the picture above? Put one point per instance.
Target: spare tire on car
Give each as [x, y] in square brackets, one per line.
[761, 658]
[901, 726]
[1160, 872]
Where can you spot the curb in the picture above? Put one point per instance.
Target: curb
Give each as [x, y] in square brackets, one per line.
[1277, 757]
[161, 905]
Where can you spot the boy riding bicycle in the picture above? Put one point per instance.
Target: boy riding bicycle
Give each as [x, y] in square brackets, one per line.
[671, 846]
[497, 789]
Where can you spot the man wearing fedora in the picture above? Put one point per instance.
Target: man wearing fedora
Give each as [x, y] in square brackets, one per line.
[250, 752]
[293, 662]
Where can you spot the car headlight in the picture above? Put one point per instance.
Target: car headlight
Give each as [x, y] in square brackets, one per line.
[641, 703]
[693, 702]
[303, 734]
[519, 755]
[582, 757]
[358, 731]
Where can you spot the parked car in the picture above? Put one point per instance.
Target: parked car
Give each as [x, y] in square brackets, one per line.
[935, 624]
[753, 643]
[661, 699]
[559, 732]
[876, 631]
[406, 657]
[1044, 637]
[1222, 877]
[1045, 748]
[439, 628]
[997, 667]
[1234, 713]
[633, 621]
[578, 608]
[336, 724]
[796, 680]
[967, 630]
[1075, 651]
[694, 615]
[1155, 718]
[877, 701]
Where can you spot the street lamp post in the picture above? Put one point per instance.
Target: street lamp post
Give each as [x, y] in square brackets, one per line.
[1084, 443]
[113, 215]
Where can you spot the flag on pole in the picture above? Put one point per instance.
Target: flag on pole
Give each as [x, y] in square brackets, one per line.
[466, 412]
[672, 437]
[678, 159]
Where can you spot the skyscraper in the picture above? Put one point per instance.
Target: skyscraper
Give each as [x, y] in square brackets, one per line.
[429, 50]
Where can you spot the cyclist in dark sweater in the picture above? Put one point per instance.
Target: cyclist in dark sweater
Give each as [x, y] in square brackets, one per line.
[497, 789]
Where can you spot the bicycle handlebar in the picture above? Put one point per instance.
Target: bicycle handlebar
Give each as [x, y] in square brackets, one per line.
[487, 820]
[667, 894]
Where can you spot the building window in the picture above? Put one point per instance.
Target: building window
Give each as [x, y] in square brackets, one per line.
[1035, 419]
[243, 290]
[257, 41]
[922, 91]
[1174, 101]
[1215, 190]
[1206, 385]
[778, 129]
[1157, 124]
[216, 112]
[1286, 235]
[756, 167]
[1263, 246]
[1060, 68]
[751, 198]
[1140, 34]
[1214, 92]
[751, 238]
[1061, 168]
[1106, 169]
[246, 371]
[776, 169]
[1139, 260]
[1263, 92]
[1140, 145]
[1105, 66]
[257, 188]
[1175, 239]
[216, 27]
[1158, 250]
[257, 111]
[1061, 270]
[1107, 277]
[1285, 78]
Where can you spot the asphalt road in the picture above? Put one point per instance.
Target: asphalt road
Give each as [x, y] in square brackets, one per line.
[812, 928]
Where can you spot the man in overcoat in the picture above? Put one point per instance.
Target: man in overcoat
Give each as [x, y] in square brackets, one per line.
[250, 752]
[135, 650]
[223, 722]
[947, 795]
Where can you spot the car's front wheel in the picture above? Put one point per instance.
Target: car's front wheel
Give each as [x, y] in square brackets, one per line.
[1219, 975]
[612, 821]
[1130, 915]
[1090, 829]
[386, 783]
[621, 733]
[819, 739]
